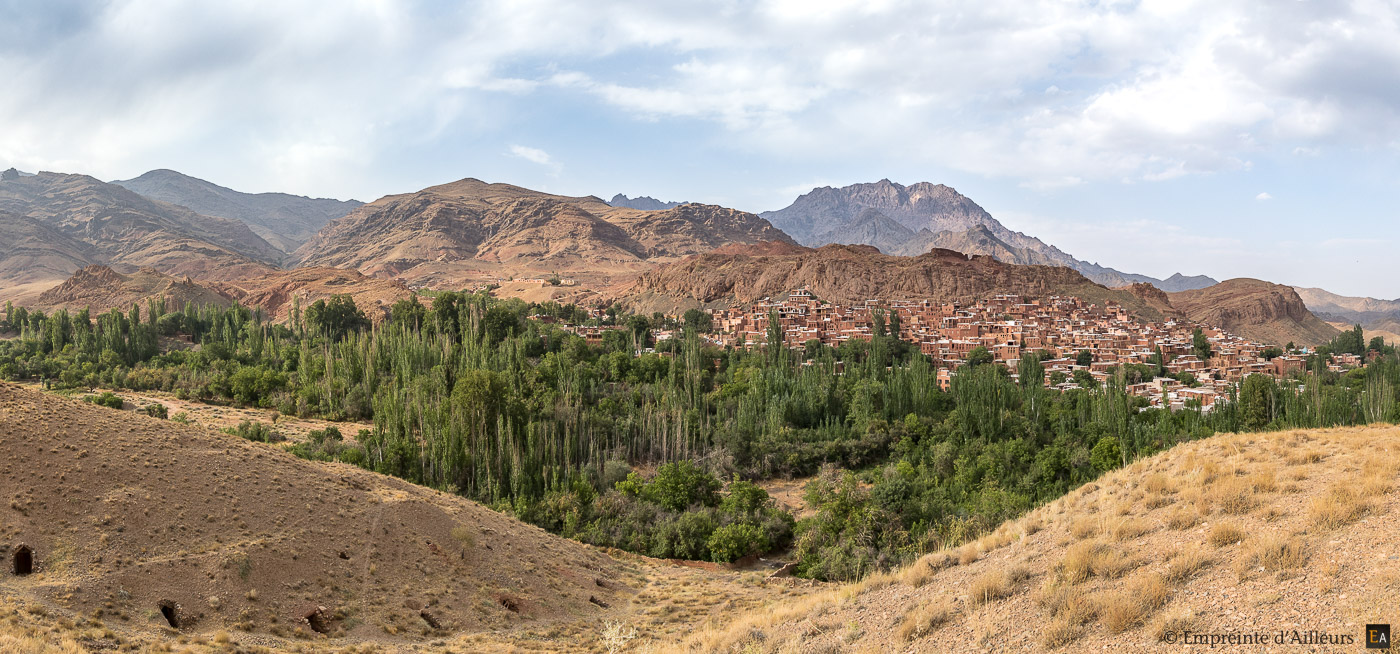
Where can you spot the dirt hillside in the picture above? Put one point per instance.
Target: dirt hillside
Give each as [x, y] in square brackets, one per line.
[849, 274]
[1263, 311]
[1256, 533]
[140, 523]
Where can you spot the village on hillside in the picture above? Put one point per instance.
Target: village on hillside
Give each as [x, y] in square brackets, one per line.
[1077, 341]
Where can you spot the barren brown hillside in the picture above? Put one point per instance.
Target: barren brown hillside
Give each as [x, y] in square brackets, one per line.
[854, 273]
[100, 289]
[470, 230]
[1272, 532]
[1266, 312]
[139, 523]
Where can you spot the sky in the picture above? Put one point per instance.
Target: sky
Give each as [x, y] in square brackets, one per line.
[1232, 139]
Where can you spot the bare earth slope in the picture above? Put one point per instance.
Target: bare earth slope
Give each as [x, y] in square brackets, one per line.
[31, 251]
[854, 273]
[1266, 312]
[283, 220]
[126, 514]
[1275, 533]
[472, 230]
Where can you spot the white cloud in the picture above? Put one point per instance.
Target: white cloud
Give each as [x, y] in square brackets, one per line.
[1045, 93]
[1263, 196]
[533, 155]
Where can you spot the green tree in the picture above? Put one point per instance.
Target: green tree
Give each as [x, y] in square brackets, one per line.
[1257, 402]
[335, 318]
[700, 321]
[1106, 454]
[978, 356]
[1200, 345]
[1084, 359]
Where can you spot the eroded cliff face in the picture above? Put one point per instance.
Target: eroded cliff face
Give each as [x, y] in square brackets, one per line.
[1260, 310]
[855, 273]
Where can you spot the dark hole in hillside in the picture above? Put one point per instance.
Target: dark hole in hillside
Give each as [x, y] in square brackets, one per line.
[510, 604]
[428, 618]
[24, 560]
[345, 556]
[318, 622]
[171, 612]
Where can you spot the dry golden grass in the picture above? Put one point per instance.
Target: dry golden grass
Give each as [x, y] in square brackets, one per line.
[1123, 609]
[1272, 554]
[1175, 623]
[1159, 484]
[1128, 529]
[1305, 457]
[1234, 495]
[1084, 528]
[923, 620]
[988, 588]
[1263, 480]
[1060, 632]
[1064, 601]
[968, 554]
[1225, 533]
[1339, 507]
[1094, 559]
[1183, 519]
[1156, 501]
[1186, 563]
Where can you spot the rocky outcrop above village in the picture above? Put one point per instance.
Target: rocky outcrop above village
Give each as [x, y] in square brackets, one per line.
[506, 229]
[278, 293]
[1258, 310]
[100, 288]
[855, 273]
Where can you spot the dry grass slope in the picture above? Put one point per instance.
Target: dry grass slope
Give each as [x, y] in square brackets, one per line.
[1240, 532]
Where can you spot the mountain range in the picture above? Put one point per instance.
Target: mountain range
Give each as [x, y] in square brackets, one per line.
[166, 233]
[1376, 317]
[56, 223]
[645, 203]
[285, 221]
[909, 220]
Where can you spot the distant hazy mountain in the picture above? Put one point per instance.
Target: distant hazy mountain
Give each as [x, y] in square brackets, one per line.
[1373, 315]
[285, 221]
[908, 220]
[52, 224]
[1179, 282]
[645, 203]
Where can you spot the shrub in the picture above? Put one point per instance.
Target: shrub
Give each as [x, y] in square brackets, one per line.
[108, 399]
[157, 410]
[733, 542]
[256, 431]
